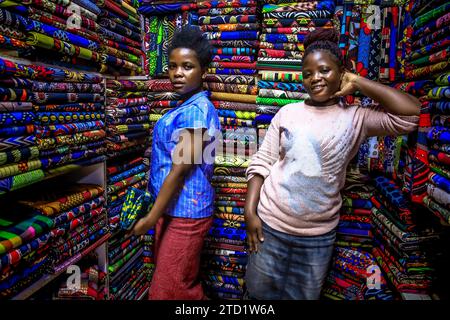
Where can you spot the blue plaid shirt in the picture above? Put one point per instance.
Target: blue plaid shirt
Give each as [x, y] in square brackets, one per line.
[196, 197]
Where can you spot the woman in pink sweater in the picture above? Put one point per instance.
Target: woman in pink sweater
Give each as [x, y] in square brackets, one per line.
[294, 180]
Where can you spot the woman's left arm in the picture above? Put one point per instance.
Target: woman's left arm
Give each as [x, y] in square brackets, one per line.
[394, 101]
[187, 153]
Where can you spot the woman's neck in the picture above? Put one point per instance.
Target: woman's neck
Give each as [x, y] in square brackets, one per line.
[189, 94]
[327, 103]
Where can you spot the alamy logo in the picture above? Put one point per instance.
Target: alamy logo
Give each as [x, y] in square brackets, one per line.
[73, 282]
[374, 20]
[74, 21]
[374, 277]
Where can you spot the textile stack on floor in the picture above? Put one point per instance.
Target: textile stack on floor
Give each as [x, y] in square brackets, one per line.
[233, 30]
[128, 274]
[148, 254]
[353, 262]
[355, 275]
[128, 120]
[285, 25]
[65, 125]
[92, 284]
[161, 20]
[426, 70]
[224, 257]
[404, 240]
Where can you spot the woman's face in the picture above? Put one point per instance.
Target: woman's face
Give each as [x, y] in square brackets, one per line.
[321, 77]
[185, 71]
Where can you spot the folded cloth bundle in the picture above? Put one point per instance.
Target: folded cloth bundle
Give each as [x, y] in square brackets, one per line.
[136, 205]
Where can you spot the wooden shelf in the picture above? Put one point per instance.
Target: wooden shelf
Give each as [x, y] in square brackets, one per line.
[46, 279]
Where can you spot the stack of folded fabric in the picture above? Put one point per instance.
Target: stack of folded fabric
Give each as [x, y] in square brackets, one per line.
[13, 26]
[25, 240]
[355, 275]
[161, 99]
[369, 35]
[78, 215]
[65, 122]
[128, 120]
[92, 286]
[119, 27]
[122, 174]
[127, 271]
[162, 19]
[148, 255]
[225, 257]
[425, 72]
[70, 117]
[18, 150]
[403, 240]
[354, 228]
[232, 28]
[102, 36]
[349, 274]
[285, 26]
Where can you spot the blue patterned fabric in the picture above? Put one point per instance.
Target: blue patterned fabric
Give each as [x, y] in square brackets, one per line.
[196, 199]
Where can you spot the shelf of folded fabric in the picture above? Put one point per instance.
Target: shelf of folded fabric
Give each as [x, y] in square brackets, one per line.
[28, 292]
[103, 36]
[425, 73]
[161, 20]
[44, 135]
[128, 274]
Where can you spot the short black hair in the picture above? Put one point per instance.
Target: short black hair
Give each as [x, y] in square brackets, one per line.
[191, 37]
[324, 39]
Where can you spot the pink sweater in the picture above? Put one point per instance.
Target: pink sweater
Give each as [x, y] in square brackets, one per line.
[304, 158]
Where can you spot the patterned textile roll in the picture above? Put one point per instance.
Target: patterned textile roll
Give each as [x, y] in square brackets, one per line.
[230, 27]
[227, 19]
[19, 181]
[127, 85]
[46, 42]
[9, 106]
[9, 68]
[232, 58]
[282, 46]
[16, 142]
[226, 71]
[67, 87]
[275, 101]
[16, 118]
[231, 88]
[273, 93]
[67, 117]
[234, 105]
[66, 129]
[234, 79]
[18, 168]
[72, 139]
[16, 131]
[272, 53]
[296, 77]
[263, 84]
[233, 97]
[19, 95]
[70, 107]
[17, 155]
